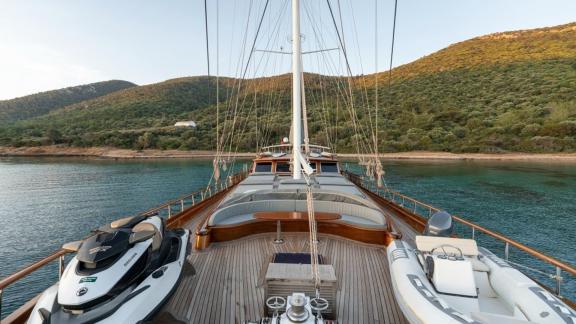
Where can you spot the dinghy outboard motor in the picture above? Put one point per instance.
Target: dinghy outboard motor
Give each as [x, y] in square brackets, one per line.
[440, 224]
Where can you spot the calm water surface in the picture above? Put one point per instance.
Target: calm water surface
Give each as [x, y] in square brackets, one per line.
[47, 202]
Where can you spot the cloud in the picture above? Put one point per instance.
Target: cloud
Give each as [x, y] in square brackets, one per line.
[31, 68]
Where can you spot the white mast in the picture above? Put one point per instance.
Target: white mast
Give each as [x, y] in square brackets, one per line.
[296, 91]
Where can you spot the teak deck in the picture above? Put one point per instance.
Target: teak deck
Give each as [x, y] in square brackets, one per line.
[229, 283]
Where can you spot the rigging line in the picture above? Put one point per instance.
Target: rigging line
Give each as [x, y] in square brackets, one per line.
[312, 233]
[339, 61]
[244, 105]
[321, 43]
[232, 83]
[206, 30]
[362, 80]
[392, 49]
[376, 74]
[253, 85]
[258, 85]
[238, 81]
[339, 38]
[270, 102]
[215, 170]
[314, 97]
[250, 55]
[229, 138]
[255, 38]
[341, 22]
[349, 70]
[217, 77]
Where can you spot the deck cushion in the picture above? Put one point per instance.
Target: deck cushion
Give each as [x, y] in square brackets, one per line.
[428, 243]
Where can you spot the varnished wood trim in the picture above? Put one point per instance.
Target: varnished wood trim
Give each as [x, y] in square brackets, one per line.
[417, 222]
[292, 215]
[224, 233]
[202, 240]
[184, 217]
[28, 270]
[518, 245]
[22, 314]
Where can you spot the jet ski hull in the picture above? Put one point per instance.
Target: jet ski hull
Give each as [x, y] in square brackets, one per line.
[138, 302]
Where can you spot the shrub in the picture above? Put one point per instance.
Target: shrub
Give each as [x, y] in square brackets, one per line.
[530, 130]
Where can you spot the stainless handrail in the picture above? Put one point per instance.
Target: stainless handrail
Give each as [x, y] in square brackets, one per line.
[290, 146]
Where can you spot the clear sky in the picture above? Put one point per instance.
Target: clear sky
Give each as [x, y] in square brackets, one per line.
[50, 44]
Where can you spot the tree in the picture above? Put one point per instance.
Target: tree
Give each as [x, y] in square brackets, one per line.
[54, 136]
[146, 140]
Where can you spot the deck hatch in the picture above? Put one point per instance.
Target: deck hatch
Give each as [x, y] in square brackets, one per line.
[294, 258]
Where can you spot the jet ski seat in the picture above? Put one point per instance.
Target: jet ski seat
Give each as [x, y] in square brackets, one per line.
[156, 239]
[127, 222]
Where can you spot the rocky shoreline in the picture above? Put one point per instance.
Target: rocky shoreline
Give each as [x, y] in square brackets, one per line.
[115, 153]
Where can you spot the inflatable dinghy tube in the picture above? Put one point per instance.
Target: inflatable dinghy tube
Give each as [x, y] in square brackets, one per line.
[504, 294]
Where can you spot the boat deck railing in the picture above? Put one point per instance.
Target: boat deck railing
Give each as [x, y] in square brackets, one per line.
[167, 210]
[419, 212]
[287, 148]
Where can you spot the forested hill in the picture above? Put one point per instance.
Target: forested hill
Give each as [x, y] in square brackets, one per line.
[512, 91]
[557, 42]
[42, 103]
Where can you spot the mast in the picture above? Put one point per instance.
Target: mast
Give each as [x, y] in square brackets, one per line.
[296, 91]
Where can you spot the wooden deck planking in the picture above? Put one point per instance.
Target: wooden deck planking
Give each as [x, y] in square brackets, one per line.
[228, 286]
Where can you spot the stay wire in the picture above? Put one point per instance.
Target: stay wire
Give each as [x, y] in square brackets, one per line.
[339, 38]
[255, 38]
[206, 30]
[392, 47]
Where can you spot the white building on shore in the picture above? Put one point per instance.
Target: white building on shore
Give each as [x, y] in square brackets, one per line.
[188, 123]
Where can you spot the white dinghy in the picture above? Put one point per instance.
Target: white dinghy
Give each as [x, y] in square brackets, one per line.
[451, 280]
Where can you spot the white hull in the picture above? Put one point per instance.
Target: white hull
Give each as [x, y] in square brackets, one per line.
[147, 298]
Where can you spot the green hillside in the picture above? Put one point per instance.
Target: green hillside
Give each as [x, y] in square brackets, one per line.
[44, 102]
[513, 91]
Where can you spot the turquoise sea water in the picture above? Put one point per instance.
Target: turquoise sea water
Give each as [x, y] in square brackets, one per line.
[46, 202]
